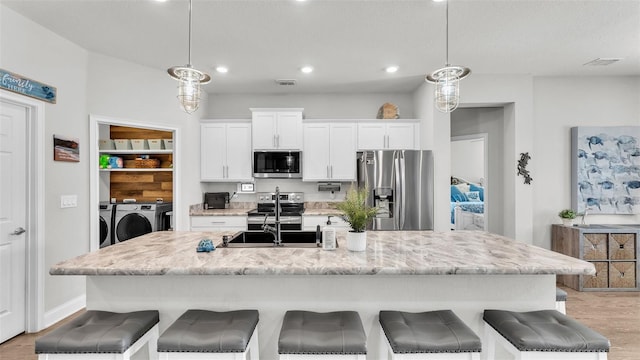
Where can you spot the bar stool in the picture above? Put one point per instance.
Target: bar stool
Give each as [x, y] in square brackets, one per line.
[428, 335]
[102, 335]
[203, 334]
[561, 300]
[307, 335]
[543, 335]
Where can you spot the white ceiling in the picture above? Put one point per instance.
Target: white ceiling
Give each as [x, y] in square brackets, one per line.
[349, 42]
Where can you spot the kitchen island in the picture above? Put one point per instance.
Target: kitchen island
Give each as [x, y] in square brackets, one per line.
[465, 271]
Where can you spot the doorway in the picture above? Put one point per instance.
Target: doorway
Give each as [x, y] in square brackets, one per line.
[100, 190]
[21, 214]
[468, 182]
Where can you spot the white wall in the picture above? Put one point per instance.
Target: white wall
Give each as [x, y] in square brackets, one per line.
[560, 104]
[30, 50]
[316, 106]
[467, 159]
[126, 91]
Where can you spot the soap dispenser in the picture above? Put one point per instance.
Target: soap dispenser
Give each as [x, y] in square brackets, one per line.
[329, 236]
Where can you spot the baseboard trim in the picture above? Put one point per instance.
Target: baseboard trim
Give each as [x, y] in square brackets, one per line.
[64, 310]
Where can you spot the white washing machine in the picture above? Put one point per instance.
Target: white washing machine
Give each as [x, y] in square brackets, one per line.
[106, 224]
[135, 219]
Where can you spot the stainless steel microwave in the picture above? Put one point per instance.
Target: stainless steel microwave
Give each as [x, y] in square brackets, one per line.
[277, 164]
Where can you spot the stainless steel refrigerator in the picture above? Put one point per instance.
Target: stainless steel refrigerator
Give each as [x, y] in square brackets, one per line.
[400, 184]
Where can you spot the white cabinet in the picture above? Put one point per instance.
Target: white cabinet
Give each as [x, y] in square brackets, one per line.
[277, 130]
[310, 222]
[225, 151]
[329, 151]
[218, 223]
[392, 135]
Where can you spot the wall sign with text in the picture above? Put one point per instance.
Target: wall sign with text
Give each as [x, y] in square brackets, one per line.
[25, 86]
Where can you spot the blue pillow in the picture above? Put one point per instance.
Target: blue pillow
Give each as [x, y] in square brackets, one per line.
[479, 189]
[457, 195]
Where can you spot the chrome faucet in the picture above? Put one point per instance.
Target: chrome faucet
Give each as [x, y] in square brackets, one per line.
[274, 230]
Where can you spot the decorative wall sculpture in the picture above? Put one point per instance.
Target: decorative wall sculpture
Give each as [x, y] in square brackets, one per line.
[606, 169]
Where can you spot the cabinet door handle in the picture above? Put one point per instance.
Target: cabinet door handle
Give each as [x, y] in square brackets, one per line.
[327, 171]
[274, 141]
[278, 141]
[330, 171]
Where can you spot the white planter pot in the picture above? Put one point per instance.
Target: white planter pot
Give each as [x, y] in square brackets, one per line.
[567, 222]
[357, 241]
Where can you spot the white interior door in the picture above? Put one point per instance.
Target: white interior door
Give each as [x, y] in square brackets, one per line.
[13, 203]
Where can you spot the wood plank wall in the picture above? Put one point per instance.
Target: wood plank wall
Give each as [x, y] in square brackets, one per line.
[142, 186]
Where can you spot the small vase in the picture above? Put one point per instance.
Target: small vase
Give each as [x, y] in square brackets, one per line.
[567, 222]
[357, 241]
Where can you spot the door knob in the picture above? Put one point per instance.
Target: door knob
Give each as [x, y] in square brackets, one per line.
[18, 231]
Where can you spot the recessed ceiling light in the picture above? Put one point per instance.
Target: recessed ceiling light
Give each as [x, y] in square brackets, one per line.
[439, 0]
[222, 69]
[391, 69]
[161, 0]
[307, 69]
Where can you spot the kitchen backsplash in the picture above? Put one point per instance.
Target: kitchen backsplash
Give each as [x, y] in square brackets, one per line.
[310, 190]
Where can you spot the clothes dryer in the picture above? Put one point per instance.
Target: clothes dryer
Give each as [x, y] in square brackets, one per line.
[135, 219]
[106, 224]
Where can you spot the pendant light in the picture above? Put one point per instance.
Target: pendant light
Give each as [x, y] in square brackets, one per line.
[189, 79]
[446, 79]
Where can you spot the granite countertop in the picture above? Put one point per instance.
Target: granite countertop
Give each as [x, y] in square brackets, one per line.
[388, 253]
[235, 209]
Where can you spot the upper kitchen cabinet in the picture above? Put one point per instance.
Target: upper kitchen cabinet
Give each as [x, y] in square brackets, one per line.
[329, 151]
[389, 135]
[225, 150]
[277, 129]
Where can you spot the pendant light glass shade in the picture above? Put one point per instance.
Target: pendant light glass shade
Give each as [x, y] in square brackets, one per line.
[189, 79]
[447, 80]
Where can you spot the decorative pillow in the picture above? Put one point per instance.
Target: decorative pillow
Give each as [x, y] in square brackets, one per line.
[473, 195]
[479, 189]
[457, 195]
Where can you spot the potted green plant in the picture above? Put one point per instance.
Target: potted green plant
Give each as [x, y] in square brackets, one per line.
[567, 216]
[358, 214]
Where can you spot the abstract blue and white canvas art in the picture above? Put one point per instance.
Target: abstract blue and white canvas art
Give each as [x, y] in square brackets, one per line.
[606, 169]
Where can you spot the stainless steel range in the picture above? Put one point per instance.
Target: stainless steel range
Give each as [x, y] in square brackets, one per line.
[292, 207]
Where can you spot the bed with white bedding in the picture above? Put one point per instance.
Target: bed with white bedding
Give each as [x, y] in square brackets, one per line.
[467, 205]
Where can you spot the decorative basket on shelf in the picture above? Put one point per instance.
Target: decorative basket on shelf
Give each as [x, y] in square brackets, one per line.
[142, 163]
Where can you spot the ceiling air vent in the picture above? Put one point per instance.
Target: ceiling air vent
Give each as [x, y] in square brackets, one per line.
[286, 82]
[602, 62]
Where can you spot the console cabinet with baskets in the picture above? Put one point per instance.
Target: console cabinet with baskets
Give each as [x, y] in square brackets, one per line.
[612, 249]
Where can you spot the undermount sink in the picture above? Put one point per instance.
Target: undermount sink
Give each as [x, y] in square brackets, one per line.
[252, 239]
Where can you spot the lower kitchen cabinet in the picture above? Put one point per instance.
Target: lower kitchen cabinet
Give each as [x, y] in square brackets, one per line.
[218, 223]
[613, 250]
[310, 222]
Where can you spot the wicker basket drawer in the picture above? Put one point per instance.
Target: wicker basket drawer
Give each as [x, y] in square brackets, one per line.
[595, 246]
[622, 246]
[600, 279]
[622, 274]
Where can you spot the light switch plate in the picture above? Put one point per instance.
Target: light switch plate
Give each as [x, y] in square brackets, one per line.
[68, 201]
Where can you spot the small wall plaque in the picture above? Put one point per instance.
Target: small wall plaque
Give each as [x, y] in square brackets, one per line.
[25, 86]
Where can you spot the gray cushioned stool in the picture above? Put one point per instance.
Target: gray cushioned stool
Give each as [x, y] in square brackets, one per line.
[211, 335]
[412, 335]
[544, 334]
[103, 334]
[312, 335]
